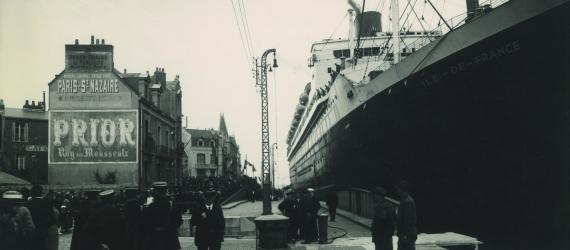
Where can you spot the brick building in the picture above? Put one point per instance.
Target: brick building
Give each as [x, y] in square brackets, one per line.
[110, 128]
[23, 142]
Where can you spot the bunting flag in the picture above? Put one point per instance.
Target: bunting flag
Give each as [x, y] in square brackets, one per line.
[247, 163]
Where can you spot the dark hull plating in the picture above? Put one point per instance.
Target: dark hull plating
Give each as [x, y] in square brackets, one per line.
[483, 135]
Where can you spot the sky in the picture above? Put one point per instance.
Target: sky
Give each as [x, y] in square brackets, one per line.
[196, 39]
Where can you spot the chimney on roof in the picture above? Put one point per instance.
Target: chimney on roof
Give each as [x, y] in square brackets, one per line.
[103, 41]
[44, 101]
[27, 104]
[97, 41]
[124, 71]
[76, 41]
[33, 104]
[92, 40]
[2, 104]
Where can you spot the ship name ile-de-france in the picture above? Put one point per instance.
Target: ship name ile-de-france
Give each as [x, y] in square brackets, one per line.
[483, 57]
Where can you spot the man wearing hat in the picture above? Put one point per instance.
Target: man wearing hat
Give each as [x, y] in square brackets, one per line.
[133, 214]
[309, 207]
[383, 221]
[209, 220]
[85, 208]
[290, 208]
[407, 231]
[16, 225]
[44, 218]
[161, 220]
[106, 228]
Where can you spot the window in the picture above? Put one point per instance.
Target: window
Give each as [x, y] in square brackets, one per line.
[146, 128]
[19, 131]
[21, 162]
[212, 143]
[213, 159]
[200, 143]
[159, 136]
[201, 172]
[341, 53]
[201, 159]
[167, 135]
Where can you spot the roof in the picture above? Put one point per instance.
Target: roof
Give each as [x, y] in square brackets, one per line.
[222, 126]
[24, 114]
[173, 85]
[129, 75]
[203, 133]
[8, 179]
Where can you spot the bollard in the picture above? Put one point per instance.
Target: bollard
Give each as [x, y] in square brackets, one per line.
[323, 224]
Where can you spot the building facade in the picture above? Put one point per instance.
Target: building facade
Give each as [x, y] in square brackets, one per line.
[24, 142]
[109, 128]
[204, 152]
[232, 158]
[212, 152]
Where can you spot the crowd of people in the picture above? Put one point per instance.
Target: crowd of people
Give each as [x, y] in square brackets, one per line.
[132, 219]
[121, 219]
[302, 209]
[100, 220]
[389, 219]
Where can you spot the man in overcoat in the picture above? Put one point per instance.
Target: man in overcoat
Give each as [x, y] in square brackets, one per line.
[106, 227]
[43, 216]
[290, 208]
[161, 220]
[209, 220]
[384, 220]
[407, 230]
[309, 208]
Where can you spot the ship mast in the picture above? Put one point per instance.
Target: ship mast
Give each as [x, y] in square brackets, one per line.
[395, 29]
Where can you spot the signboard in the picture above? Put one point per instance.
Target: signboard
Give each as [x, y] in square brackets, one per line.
[93, 61]
[36, 148]
[89, 91]
[88, 137]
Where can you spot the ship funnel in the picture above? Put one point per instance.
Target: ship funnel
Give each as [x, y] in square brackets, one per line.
[371, 23]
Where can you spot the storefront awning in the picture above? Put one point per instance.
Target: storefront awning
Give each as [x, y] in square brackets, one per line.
[10, 180]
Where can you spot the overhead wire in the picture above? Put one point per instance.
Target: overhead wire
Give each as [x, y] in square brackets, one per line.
[246, 54]
[245, 23]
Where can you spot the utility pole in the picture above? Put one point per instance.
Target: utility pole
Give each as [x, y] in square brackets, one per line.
[261, 81]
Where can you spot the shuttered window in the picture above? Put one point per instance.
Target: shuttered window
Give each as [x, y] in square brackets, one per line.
[21, 162]
[201, 159]
[19, 132]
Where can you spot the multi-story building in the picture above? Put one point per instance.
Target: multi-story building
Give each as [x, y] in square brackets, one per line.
[111, 128]
[23, 142]
[204, 152]
[232, 158]
[212, 152]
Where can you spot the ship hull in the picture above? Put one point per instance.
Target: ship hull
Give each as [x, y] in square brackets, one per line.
[483, 136]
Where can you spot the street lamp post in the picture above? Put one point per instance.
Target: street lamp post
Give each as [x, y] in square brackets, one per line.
[261, 81]
[272, 229]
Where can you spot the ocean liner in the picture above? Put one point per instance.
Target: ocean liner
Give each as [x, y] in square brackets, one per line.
[477, 119]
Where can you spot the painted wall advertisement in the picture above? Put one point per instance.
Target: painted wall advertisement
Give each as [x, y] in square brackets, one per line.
[92, 91]
[85, 136]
